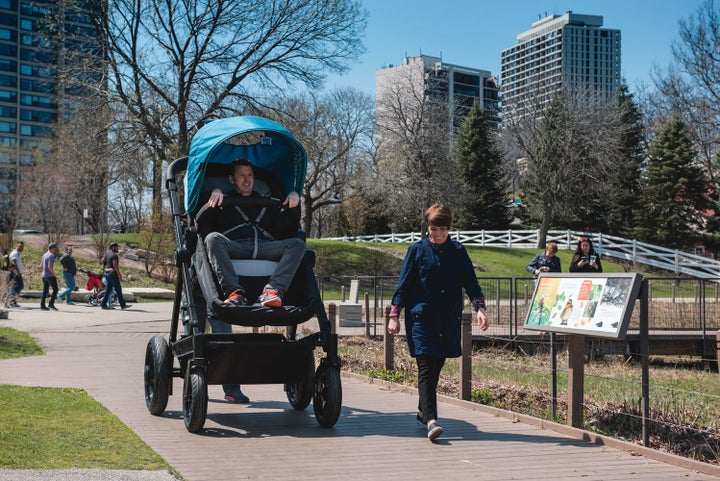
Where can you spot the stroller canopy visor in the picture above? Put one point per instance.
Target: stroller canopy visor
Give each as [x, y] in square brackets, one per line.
[264, 142]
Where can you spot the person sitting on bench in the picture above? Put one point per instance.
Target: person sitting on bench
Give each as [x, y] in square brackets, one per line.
[252, 232]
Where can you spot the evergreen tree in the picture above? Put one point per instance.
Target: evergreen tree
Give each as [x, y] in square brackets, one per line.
[484, 203]
[625, 183]
[674, 192]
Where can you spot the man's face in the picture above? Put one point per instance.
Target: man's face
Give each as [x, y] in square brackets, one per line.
[20, 247]
[243, 179]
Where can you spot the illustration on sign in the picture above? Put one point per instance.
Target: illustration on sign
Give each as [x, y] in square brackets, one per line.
[593, 305]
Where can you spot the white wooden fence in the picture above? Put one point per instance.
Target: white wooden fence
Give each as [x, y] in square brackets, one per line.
[672, 260]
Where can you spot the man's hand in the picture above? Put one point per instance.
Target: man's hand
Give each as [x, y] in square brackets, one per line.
[216, 198]
[292, 200]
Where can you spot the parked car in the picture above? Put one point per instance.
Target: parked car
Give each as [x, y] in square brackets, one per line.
[26, 231]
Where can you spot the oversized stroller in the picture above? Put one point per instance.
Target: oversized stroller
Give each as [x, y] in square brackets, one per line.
[249, 357]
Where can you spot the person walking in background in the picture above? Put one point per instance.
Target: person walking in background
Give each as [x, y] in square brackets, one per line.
[14, 277]
[49, 280]
[433, 274]
[585, 258]
[113, 277]
[547, 261]
[69, 270]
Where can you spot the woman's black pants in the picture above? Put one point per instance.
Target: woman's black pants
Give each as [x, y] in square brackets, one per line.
[429, 368]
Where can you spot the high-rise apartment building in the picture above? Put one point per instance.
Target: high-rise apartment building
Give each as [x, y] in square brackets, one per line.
[570, 52]
[30, 90]
[430, 78]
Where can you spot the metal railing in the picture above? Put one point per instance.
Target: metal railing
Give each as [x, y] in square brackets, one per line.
[634, 251]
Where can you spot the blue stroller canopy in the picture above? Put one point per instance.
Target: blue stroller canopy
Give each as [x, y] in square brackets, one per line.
[264, 142]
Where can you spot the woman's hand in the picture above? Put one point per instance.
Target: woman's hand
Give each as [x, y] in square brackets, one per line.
[393, 325]
[481, 317]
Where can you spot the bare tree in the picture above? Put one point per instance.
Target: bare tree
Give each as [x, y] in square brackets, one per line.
[173, 64]
[335, 128]
[414, 129]
[569, 146]
[690, 85]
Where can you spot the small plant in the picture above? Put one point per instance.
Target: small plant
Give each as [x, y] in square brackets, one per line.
[482, 396]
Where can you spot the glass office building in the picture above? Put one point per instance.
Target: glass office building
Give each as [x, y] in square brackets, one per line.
[30, 92]
[569, 51]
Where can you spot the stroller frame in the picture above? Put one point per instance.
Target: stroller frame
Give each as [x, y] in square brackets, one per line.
[243, 358]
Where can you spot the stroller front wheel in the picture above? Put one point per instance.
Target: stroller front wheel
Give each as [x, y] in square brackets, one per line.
[195, 399]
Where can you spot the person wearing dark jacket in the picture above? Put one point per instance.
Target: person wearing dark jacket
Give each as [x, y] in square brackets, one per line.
[547, 261]
[585, 258]
[434, 272]
[252, 232]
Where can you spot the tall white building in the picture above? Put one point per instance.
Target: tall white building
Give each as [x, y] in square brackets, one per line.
[424, 77]
[570, 52]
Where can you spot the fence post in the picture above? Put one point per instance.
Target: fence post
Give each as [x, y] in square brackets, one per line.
[466, 358]
[332, 316]
[367, 315]
[388, 343]
[342, 293]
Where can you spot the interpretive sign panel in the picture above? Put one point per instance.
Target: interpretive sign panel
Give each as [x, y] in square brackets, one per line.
[591, 304]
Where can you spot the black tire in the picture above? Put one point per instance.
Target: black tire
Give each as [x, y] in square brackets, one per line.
[327, 399]
[300, 394]
[158, 375]
[195, 400]
[91, 300]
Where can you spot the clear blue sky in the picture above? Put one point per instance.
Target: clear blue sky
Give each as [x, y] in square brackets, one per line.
[472, 33]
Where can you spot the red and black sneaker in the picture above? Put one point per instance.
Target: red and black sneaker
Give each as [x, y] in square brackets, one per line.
[270, 298]
[236, 299]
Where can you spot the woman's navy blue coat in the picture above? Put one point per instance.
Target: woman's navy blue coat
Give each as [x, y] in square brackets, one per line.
[430, 289]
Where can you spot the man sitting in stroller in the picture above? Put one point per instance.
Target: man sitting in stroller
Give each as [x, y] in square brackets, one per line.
[252, 232]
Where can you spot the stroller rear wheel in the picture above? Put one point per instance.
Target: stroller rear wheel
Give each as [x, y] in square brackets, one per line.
[300, 394]
[158, 374]
[327, 399]
[195, 399]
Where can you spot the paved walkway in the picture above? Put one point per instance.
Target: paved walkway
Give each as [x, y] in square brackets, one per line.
[375, 438]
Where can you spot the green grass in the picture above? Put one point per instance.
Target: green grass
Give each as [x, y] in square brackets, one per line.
[45, 428]
[49, 428]
[14, 344]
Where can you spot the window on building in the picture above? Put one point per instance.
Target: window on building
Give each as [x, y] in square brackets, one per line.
[29, 25]
[8, 81]
[37, 116]
[36, 101]
[8, 34]
[8, 127]
[8, 141]
[8, 112]
[36, 86]
[8, 96]
[9, 4]
[35, 130]
[8, 66]
[8, 50]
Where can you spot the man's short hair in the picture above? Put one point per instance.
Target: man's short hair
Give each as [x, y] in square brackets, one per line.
[241, 161]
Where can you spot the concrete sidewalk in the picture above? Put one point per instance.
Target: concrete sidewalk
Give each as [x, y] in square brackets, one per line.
[375, 438]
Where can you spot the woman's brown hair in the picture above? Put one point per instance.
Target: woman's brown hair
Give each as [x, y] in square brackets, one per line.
[438, 215]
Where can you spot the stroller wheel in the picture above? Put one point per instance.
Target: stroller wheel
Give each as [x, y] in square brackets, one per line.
[300, 394]
[91, 300]
[327, 399]
[158, 370]
[195, 399]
